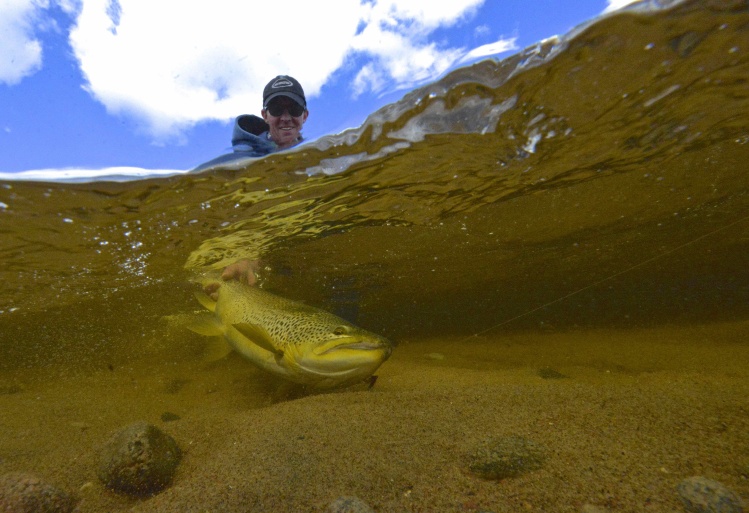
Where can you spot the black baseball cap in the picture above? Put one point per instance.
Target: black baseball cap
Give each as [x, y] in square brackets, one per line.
[284, 85]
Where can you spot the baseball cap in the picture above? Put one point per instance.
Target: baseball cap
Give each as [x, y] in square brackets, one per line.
[284, 85]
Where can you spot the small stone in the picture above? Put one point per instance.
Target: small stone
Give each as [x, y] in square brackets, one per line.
[25, 493]
[10, 389]
[168, 416]
[549, 373]
[175, 385]
[349, 505]
[592, 508]
[139, 460]
[702, 495]
[500, 458]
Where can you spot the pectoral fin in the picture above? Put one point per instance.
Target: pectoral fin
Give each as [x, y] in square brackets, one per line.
[205, 300]
[259, 336]
[208, 325]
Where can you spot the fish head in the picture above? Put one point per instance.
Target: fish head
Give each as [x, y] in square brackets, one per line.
[343, 354]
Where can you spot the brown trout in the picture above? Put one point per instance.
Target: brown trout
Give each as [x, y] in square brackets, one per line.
[292, 340]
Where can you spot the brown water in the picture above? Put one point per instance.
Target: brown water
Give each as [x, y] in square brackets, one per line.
[581, 206]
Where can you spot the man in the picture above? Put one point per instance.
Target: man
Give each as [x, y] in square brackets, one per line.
[285, 111]
[284, 114]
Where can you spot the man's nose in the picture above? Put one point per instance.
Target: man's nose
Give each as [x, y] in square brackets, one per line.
[285, 114]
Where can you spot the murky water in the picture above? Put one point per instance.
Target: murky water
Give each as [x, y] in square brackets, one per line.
[594, 185]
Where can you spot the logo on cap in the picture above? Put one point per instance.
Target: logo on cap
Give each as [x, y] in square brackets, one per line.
[282, 82]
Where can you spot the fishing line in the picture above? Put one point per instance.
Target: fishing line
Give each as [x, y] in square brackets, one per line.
[608, 278]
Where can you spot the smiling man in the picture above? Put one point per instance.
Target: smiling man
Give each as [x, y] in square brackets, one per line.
[284, 113]
[284, 110]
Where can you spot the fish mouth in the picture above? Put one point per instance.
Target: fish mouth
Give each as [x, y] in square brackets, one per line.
[345, 359]
[353, 343]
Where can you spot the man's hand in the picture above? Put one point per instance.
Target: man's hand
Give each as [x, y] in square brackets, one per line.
[242, 270]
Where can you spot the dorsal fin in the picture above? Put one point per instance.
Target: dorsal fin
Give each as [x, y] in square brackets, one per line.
[259, 336]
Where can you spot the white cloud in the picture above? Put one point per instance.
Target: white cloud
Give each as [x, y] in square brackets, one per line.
[397, 61]
[503, 45]
[395, 37]
[482, 31]
[618, 4]
[171, 64]
[417, 17]
[21, 51]
[76, 175]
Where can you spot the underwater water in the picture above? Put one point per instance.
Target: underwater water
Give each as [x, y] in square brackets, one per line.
[577, 211]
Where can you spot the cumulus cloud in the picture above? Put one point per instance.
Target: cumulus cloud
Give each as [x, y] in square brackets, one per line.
[22, 51]
[395, 36]
[171, 64]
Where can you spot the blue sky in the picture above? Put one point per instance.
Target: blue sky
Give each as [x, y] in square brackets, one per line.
[155, 84]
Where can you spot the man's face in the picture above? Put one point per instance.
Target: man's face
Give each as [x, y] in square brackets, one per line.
[284, 128]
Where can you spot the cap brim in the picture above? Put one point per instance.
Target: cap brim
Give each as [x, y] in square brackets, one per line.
[293, 96]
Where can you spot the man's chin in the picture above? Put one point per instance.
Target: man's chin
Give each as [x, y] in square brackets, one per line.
[287, 138]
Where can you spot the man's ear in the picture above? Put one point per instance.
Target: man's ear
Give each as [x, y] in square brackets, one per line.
[264, 113]
[306, 114]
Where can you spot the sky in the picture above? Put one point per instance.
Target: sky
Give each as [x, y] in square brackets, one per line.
[153, 86]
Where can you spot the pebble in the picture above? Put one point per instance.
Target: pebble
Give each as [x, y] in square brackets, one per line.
[25, 493]
[500, 458]
[743, 469]
[549, 373]
[140, 459]
[168, 416]
[702, 495]
[349, 504]
[10, 389]
[592, 508]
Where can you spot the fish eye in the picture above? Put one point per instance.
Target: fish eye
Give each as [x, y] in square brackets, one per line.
[340, 330]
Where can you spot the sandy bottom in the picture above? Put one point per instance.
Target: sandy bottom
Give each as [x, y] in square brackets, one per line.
[637, 412]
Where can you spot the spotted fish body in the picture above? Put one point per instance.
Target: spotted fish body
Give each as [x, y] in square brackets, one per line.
[292, 340]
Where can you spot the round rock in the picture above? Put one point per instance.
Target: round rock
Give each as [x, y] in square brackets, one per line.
[500, 458]
[702, 495]
[349, 505]
[140, 459]
[25, 493]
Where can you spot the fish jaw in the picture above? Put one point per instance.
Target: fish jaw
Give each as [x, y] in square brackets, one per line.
[354, 342]
[343, 361]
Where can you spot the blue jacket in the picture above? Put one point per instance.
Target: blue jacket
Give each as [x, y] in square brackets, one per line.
[249, 139]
